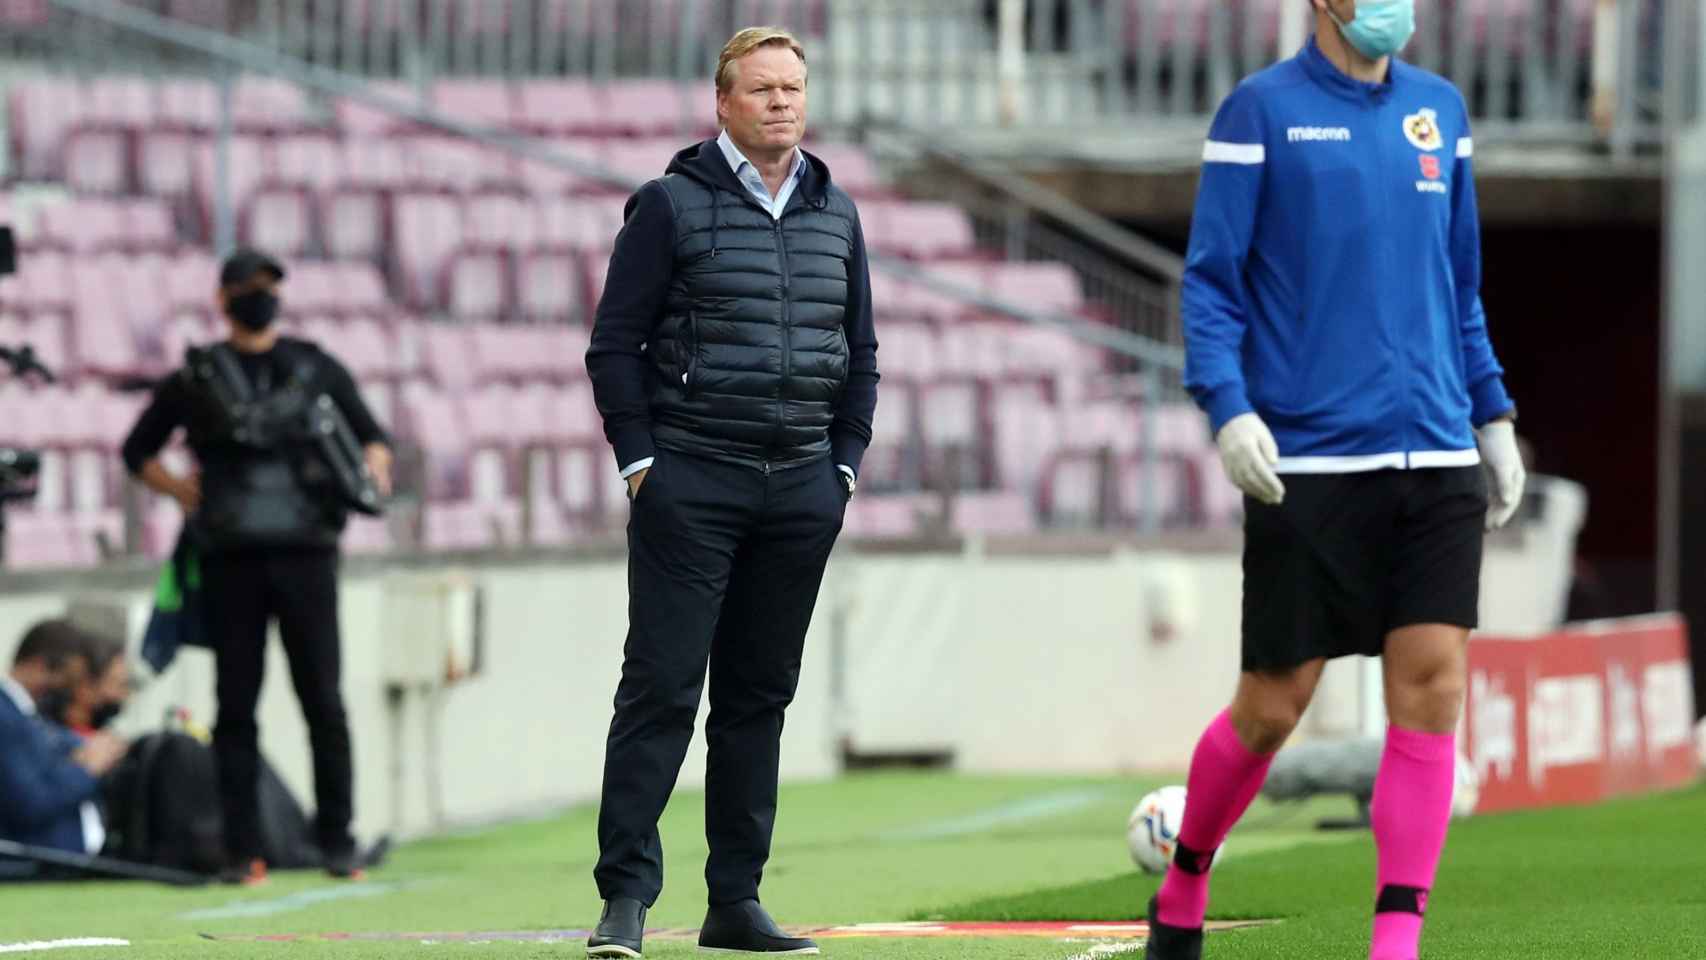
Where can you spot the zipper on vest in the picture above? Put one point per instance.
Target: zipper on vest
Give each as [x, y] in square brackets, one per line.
[787, 342]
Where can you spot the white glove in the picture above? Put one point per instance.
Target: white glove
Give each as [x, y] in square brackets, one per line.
[1248, 452]
[1505, 475]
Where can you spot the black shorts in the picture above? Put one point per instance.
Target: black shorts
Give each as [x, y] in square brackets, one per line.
[1350, 557]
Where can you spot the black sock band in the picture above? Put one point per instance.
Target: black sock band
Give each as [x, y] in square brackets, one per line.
[1194, 862]
[1396, 899]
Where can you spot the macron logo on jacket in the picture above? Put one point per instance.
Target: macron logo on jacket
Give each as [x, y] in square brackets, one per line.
[1332, 281]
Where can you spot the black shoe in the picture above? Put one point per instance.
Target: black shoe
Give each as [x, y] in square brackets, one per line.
[744, 927]
[346, 864]
[1167, 942]
[620, 929]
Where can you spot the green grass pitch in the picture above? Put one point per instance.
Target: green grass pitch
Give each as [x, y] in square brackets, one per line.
[1627, 880]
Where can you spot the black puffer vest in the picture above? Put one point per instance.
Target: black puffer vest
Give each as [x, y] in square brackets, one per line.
[750, 354]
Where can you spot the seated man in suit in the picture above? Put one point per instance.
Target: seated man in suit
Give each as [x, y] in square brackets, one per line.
[47, 796]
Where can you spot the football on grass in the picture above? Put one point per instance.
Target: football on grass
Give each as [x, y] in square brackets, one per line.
[1152, 832]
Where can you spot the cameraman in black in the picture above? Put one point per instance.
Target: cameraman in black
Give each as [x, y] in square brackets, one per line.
[268, 541]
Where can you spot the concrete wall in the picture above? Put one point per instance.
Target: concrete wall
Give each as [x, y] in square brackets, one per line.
[1099, 661]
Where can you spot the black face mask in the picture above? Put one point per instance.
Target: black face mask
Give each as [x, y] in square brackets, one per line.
[254, 311]
[104, 715]
[53, 704]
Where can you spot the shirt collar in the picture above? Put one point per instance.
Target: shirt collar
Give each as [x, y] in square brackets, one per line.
[15, 690]
[1328, 75]
[738, 160]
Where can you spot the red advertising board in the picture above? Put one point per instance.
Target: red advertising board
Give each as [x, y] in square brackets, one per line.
[1589, 712]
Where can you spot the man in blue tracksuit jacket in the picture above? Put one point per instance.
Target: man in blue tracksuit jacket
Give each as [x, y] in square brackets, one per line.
[1335, 338]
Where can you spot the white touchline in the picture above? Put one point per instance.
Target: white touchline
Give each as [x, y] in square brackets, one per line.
[33, 945]
[1115, 949]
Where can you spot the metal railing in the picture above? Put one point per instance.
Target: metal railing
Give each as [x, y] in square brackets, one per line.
[1551, 70]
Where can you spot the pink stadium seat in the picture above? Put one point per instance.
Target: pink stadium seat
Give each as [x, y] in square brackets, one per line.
[310, 162]
[266, 105]
[121, 102]
[1072, 488]
[47, 284]
[427, 231]
[884, 515]
[1222, 503]
[563, 350]
[974, 349]
[1027, 431]
[927, 231]
[892, 456]
[594, 270]
[1181, 430]
[445, 163]
[481, 103]
[1176, 498]
[83, 226]
[478, 286]
[579, 223]
[311, 288]
[364, 347]
[642, 158]
[164, 166]
[539, 177]
[1046, 287]
[279, 220]
[998, 512]
[499, 222]
[190, 281]
[246, 168]
[148, 225]
[849, 167]
[352, 223]
[554, 107]
[189, 105]
[360, 289]
[374, 162]
[908, 350]
[548, 287]
[448, 354]
[97, 161]
[963, 278]
[648, 107]
[40, 114]
[358, 119]
[44, 541]
[572, 418]
[1108, 423]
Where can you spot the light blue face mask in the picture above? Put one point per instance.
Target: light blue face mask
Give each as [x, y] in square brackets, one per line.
[1382, 27]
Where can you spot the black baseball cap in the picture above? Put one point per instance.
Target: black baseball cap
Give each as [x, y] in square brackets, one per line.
[242, 265]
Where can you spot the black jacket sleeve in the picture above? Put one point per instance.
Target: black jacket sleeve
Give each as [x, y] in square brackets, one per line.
[167, 410]
[634, 294]
[340, 386]
[850, 433]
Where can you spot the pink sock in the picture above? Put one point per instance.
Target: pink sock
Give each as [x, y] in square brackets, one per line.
[1411, 810]
[1224, 778]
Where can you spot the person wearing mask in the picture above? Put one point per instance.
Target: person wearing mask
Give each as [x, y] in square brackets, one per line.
[1334, 335]
[268, 541]
[100, 694]
[48, 796]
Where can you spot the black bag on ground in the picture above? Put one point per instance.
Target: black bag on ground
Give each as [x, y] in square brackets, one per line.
[287, 835]
[162, 805]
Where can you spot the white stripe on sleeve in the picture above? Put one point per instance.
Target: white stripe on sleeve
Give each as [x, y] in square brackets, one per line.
[1219, 151]
[1465, 148]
